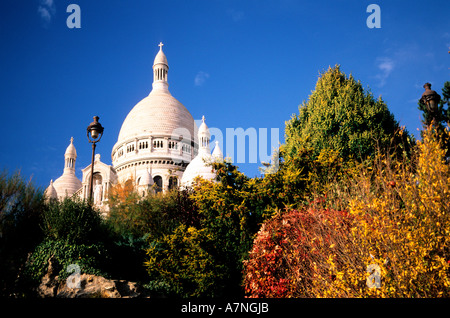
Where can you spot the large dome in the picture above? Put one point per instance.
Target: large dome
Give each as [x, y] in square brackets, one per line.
[157, 134]
[157, 114]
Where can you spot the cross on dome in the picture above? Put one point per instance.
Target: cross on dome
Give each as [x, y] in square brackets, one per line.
[160, 69]
[71, 152]
[203, 118]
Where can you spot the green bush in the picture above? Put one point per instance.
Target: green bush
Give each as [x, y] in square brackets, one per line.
[90, 258]
[154, 215]
[127, 255]
[73, 220]
[21, 205]
[184, 264]
[134, 221]
[73, 233]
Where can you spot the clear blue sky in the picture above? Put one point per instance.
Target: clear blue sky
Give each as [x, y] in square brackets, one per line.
[257, 60]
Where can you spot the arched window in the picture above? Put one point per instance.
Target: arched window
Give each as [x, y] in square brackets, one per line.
[173, 183]
[159, 183]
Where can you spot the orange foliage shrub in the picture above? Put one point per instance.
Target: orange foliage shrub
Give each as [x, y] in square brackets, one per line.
[288, 252]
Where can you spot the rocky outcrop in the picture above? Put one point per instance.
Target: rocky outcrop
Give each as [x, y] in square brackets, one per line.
[97, 286]
[87, 286]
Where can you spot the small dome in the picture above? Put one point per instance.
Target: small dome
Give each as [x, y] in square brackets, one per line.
[50, 192]
[67, 185]
[71, 151]
[198, 167]
[203, 136]
[217, 153]
[146, 179]
[160, 58]
[203, 129]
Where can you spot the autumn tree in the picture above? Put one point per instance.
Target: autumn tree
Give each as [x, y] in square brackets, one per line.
[401, 225]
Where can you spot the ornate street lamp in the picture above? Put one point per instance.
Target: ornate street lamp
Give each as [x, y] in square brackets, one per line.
[94, 134]
[431, 100]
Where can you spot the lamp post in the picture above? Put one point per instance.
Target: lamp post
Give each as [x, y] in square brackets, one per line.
[431, 100]
[94, 134]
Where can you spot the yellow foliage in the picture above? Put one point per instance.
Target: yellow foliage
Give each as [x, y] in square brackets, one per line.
[400, 230]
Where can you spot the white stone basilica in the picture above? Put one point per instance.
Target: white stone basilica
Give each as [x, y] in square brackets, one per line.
[158, 148]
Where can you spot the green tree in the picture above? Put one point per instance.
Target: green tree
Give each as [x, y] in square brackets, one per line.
[285, 187]
[446, 97]
[339, 124]
[343, 117]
